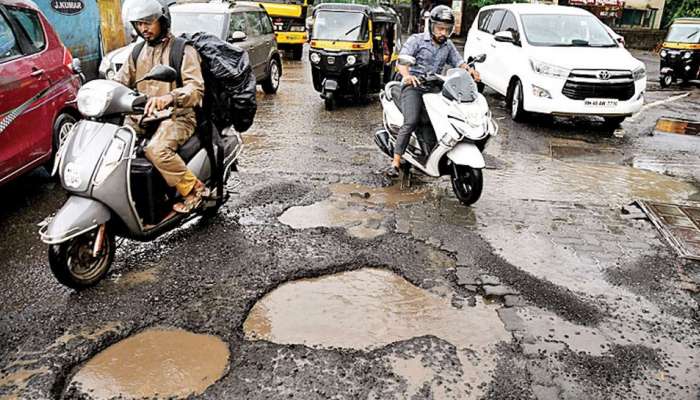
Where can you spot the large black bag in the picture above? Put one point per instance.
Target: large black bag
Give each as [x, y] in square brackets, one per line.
[229, 82]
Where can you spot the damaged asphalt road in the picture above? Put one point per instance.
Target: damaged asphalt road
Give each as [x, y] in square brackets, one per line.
[325, 281]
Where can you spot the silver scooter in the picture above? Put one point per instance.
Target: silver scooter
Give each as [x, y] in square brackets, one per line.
[115, 191]
[462, 124]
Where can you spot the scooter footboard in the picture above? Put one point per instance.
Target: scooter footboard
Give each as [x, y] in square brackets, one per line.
[77, 216]
[467, 154]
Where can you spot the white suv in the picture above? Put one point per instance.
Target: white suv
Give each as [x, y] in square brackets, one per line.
[556, 60]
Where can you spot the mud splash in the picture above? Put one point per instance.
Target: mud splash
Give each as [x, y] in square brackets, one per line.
[356, 208]
[158, 362]
[139, 277]
[371, 308]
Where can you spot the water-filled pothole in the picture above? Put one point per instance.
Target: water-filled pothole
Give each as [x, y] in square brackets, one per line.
[371, 308]
[355, 208]
[155, 363]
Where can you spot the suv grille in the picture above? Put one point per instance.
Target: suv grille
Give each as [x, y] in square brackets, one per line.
[599, 84]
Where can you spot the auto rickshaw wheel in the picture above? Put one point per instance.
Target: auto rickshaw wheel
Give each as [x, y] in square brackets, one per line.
[330, 102]
[666, 81]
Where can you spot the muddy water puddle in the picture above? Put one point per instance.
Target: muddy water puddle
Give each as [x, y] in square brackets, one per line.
[356, 208]
[371, 308]
[156, 363]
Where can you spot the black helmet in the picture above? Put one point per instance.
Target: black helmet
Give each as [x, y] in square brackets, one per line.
[135, 11]
[442, 15]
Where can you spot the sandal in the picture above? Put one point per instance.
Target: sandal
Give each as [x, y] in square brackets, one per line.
[391, 172]
[193, 202]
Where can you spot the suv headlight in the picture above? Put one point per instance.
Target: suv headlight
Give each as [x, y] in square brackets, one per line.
[110, 161]
[549, 69]
[639, 73]
[92, 102]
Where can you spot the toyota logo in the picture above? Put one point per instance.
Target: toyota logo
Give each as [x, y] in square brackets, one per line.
[604, 75]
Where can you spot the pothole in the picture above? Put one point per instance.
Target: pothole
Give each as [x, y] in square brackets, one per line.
[355, 208]
[371, 308]
[136, 278]
[155, 363]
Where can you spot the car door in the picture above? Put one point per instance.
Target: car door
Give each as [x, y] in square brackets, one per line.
[477, 34]
[22, 120]
[505, 56]
[489, 46]
[257, 43]
[268, 37]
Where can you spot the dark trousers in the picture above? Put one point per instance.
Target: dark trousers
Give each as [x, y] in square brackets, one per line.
[415, 119]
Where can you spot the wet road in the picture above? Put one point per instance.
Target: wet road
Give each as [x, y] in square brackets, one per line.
[322, 279]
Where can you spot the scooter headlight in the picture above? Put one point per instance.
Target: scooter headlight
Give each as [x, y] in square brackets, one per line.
[351, 60]
[315, 58]
[93, 102]
[110, 161]
[71, 176]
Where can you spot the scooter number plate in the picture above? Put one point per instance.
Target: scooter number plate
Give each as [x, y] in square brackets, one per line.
[601, 103]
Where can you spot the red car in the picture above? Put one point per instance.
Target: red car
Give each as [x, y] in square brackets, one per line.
[38, 88]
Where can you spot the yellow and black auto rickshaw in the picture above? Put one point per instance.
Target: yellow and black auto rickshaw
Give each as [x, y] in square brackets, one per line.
[680, 55]
[353, 50]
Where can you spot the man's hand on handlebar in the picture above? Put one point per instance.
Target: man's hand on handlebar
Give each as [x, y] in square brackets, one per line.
[158, 103]
[411, 80]
[474, 73]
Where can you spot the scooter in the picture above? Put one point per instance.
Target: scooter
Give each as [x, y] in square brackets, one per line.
[115, 191]
[462, 123]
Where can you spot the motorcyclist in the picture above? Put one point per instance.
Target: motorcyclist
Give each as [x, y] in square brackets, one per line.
[432, 51]
[151, 20]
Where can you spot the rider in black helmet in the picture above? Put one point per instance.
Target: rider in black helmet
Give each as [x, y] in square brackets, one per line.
[432, 50]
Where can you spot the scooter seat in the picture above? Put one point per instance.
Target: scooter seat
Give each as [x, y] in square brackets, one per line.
[188, 150]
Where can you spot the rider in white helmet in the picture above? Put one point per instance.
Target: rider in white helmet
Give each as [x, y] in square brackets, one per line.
[432, 51]
[151, 20]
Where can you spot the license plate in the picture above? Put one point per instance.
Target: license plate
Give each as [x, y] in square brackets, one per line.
[601, 103]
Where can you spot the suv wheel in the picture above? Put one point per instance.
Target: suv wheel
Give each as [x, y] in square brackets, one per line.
[517, 113]
[272, 83]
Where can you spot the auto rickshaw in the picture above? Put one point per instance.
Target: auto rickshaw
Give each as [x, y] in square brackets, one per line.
[353, 50]
[680, 54]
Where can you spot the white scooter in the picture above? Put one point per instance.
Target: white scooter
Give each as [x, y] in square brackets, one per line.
[462, 122]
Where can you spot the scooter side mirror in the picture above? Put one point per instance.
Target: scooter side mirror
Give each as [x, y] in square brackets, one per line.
[161, 73]
[480, 58]
[407, 60]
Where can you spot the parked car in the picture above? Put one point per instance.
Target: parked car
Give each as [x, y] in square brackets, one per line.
[246, 24]
[38, 88]
[556, 60]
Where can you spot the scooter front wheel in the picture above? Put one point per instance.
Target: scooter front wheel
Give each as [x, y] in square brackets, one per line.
[467, 183]
[73, 263]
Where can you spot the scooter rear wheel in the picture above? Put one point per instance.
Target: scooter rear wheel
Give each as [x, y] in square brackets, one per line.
[73, 264]
[467, 183]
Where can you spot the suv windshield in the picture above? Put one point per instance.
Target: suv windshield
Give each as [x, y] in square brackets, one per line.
[198, 22]
[566, 31]
[684, 33]
[340, 25]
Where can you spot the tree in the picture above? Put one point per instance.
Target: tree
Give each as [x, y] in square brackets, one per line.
[679, 8]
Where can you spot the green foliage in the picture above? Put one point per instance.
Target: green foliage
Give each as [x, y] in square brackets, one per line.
[678, 9]
[482, 3]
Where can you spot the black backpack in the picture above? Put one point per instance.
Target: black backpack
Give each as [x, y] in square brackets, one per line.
[229, 82]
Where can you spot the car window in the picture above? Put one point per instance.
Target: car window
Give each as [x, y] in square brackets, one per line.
[237, 22]
[254, 24]
[509, 23]
[495, 21]
[266, 23]
[8, 43]
[30, 23]
[484, 19]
